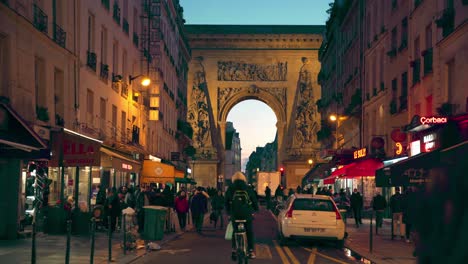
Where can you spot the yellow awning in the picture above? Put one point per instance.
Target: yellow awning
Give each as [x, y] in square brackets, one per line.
[157, 172]
[179, 174]
[148, 180]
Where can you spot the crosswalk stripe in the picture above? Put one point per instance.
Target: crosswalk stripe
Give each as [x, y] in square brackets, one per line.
[312, 256]
[291, 255]
[283, 257]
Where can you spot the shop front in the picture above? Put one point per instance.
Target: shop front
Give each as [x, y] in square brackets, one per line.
[18, 144]
[73, 168]
[157, 174]
[118, 169]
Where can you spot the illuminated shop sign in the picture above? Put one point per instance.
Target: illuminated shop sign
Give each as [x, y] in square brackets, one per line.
[127, 166]
[432, 120]
[429, 142]
[360, 153]
[398, 148]
[415, 147]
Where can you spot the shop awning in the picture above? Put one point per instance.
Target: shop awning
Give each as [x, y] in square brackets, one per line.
[119, 161]
[179, 174]
[318, 172]
[330, 179]
[157, 172]
[365, 167]
[15, 134]
[342, 171]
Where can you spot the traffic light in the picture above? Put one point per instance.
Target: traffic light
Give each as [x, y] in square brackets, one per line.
[282, 171]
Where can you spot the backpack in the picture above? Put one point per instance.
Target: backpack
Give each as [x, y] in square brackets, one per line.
[241, 205]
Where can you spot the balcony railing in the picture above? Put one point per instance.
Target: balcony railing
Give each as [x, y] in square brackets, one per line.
[104, 74]
[60, 36]
[135, 39]
[125, 26]
[91, 60]
[427, 54]
[116, 12]
[40, 19]
[447, 21]
[416, 64]
[124, 93]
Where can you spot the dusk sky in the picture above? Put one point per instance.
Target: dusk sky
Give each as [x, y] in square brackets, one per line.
[254, 120]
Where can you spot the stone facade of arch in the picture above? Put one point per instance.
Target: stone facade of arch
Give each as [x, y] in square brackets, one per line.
[277, 65]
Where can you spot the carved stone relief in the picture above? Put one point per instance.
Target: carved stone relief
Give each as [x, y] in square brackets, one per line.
[242, 71]
[305, 119]
[225, 93]
[198, 115]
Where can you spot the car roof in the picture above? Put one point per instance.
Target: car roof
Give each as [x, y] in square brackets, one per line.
[312, 196]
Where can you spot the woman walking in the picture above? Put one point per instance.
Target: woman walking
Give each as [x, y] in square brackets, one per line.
[182, 207]
[218, 205]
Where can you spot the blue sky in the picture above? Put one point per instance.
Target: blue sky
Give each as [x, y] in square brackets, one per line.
[260, 126]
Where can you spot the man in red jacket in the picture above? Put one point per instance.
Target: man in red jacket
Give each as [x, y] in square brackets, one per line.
[182, 206]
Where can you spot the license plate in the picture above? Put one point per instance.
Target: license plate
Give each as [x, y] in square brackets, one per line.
[314, 230]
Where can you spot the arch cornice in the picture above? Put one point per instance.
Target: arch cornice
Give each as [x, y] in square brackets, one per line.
[274, 97]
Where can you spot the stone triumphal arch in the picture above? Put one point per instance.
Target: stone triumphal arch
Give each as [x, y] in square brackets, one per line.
[277, 65]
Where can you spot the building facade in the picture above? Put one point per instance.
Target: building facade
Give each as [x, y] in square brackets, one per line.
[233, 151]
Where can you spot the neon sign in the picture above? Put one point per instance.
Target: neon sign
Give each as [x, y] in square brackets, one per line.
[360, 153]
[399, 148]
[127, 166]
[429, 142]
[432, 120]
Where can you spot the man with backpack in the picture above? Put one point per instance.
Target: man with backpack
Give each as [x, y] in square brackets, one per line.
[241, 203]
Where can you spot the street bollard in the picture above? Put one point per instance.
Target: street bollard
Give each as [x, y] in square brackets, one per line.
[93, 239]
[370, 234]
[67, 253]
[33, 251]
[109, 233]
[124, 234]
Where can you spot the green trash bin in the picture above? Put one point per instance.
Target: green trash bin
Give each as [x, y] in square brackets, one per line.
[155, 218]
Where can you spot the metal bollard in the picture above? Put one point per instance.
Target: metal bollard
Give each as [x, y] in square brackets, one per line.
[370, 234]
[33, 251]
[93, 239]
[109, 233]
[67, 253]
[124, 234]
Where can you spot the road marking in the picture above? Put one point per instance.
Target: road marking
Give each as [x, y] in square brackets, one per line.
[174, 251]
[312, 256]
[283, 257]
[263, 251]
[291, 255]
[330, 258]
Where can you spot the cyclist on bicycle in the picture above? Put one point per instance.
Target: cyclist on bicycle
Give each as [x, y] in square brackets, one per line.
[241, 209]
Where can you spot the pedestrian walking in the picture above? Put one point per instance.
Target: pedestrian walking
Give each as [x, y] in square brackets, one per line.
[397, 213]
[182, 207]
[141, 200]
[379, 204]
[299, 189]
[408, 206]
[291, 192]
[279, 193]
[268, 197]
[217, 205]
[199, 208]
[356, 206]
[112, 207]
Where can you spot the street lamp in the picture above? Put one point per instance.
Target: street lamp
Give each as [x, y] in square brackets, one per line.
[145, 81]
[337, 119]
[310, 161]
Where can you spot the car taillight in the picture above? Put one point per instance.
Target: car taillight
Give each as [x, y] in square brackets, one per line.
[337, 213]
[289, 213]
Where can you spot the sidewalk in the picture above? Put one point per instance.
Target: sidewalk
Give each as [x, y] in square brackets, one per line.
[51, 249]
[385, 250]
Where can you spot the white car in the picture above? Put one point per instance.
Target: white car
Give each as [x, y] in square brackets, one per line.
[312, 217]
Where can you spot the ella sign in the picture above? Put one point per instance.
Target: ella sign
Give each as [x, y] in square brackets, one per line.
[432, 120]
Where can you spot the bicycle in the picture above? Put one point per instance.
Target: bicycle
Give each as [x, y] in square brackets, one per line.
[240, 236]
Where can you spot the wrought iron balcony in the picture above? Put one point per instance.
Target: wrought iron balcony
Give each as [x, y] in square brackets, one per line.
[91, 60]
[447, 21]
[104, 74]
[60, 36]
[40, 19]
[116, 12]
[125, 26]
[135, 39]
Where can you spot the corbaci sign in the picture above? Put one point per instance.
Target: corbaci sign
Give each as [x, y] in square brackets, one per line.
[432, 120]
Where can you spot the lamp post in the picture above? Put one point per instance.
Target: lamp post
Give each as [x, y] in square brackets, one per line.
[310, 161]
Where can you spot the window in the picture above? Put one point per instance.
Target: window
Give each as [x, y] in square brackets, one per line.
[91, 32]
[90, 107]
[115, 57]
[124, 65]
[114, 121]
[313, 205]
[429, 36]
[124, 127]
[404, 33]
[40, 82]
[59, 98]
[104, 45]
[4, 66]
[429, 105]
[394, 38]
[404, 91]
[394, 4]
[102, 115]
[417, 52]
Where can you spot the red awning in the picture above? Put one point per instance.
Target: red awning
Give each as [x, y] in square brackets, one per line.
[365, 167]
[343, 170]
[330, 180]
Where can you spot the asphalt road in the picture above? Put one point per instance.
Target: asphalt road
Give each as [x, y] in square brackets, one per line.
[211, 247]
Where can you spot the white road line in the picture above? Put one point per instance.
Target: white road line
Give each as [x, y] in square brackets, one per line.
[312, 256]
[291, 255]
[283, 257]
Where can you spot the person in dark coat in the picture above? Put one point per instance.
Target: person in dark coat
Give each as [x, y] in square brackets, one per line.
[239, 183]
[379, 204]
[268, 197]
[356, 205]
[217, 205]
[397, 213]
[100, 196]
[279, 194]
[199, 207]
[113, 208]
